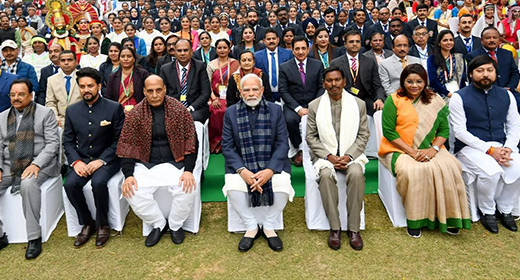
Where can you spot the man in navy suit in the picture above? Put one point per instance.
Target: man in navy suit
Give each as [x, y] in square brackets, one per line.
[300, 83]
[362, 27]
[421, 19]
[383, 24]
[92, 130]
[255, 146]
[465, 42]
[283, 23]
[508, 75]
[49, 70]
[6, 79]
[335, 31]
[186, 79]
[420, 47]
[270, 58]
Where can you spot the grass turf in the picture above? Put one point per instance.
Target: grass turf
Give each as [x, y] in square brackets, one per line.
[212, 253]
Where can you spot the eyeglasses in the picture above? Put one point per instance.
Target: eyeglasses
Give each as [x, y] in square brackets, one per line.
[423, 34]
[21, 95]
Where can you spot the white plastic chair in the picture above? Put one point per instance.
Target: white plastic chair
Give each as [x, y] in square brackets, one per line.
[11, 211]
[314, 213]
[164, 197]
[386, 184]
[205, 144]
[117, 208]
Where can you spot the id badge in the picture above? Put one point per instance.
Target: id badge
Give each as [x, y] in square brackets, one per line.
[129, 107]
[222, 91]
[183, 98]
[452, 86]
[354, 90]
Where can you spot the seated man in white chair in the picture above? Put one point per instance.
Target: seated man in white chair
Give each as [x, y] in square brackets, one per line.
[486, 124]
[30, 144]
[337, 134]
[255, 145]
[92, 128]
[158, 147]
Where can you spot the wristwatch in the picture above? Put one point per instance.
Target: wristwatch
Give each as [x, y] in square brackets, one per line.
[436, 148]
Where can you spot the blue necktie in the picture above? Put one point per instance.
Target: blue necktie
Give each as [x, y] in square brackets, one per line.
[184, 88]
[468, 45]
[67, 84]
[56, 68]
[274, 79]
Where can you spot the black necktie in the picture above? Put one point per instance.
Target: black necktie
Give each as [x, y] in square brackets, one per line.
[55, 69]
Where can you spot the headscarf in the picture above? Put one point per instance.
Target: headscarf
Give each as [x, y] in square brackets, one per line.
[510, 13]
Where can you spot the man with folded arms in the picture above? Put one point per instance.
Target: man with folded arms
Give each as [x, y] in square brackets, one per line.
[486, 124]
[30, 144]
[92, 129]
[255, 145]
[158, 147]
[337, 134]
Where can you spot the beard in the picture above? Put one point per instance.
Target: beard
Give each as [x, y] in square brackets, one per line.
[252, 102]
[484, 83]
[89, 97]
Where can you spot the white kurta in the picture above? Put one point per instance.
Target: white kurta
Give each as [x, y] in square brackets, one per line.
[148, 38]
[92, 61]
[37, 61]
[114, 37]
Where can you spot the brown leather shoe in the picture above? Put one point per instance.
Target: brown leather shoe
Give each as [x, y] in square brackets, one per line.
[298, 159]
[86, 232]
[103, 234]
[335, 239]
[355, 240]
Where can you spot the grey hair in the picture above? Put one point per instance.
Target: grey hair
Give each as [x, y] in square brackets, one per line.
[248, 77]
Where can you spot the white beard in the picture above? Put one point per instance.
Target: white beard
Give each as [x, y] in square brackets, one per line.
[252, 102]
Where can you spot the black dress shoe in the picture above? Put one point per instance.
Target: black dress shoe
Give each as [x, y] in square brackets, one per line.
[178, 236]
[415, 233]
[34, 249]
[3, 241]
[507, 221]
[335, 239]
[247, 243]
[155, 236]
[490, 223]
[86, 232]
[275, 243]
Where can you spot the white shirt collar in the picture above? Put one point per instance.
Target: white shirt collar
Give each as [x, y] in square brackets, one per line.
[304, 63]
[275, 51]
[350, 57]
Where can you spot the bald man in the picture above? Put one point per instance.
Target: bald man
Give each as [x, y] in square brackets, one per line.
[173, 151]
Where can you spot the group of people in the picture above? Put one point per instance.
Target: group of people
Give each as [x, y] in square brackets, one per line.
[127, 89]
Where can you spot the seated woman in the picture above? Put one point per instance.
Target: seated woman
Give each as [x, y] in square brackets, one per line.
[247, 66]
[93, 58]
[126, 84]
[187, 33]
[219, 72]
[287, 38]
[139, 43]
[322, 49]
[446, 70]
[111, 65]
[428, 177]
[247, 42]
[157, 50]
[206, 53]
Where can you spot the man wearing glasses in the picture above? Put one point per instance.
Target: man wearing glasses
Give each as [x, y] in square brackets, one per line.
[420, 47]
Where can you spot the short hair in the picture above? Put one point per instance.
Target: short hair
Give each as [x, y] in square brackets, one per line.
[248, 77]
[359, 10]
[189, 42]
[88, 72]
[422, 6]
[396, 19]
[281, 9]
[69, 52]
[374, 34]
[300, 39]
[351, 32]
[25, 81]
[329, 10]
[419, 27]
[271, 30]
[488, 28]
[172, 36]
[332, 69]
[466, 15]
[479, 61]
[251, 11]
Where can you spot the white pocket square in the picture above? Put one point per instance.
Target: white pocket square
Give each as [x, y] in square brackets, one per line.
[104, 123]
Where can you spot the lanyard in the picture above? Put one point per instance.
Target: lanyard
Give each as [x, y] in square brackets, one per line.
[423, 55]
[225, 73]
[450, 68]
[126, 90]
[205, 56]
[354, 77]
[324, 58]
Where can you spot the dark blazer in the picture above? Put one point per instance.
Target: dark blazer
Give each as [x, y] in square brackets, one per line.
[105, 69]
[238, 49]
[389, 42]
[114, 82]
[45, 73]
[292, 90]
[336, 37]
[460, 45]
[198, 55]
[90, 136]
[232, 25]
[431, 25]
[378, 27]
[233, 96]
[231, 145]
[369, 77]
[163, 60]
[6, 79]
[199, 89]
[336, 52]
[370, 54]
[365, 36]
[508, 75]
[261, 59]
[413, 51]
[297, 29]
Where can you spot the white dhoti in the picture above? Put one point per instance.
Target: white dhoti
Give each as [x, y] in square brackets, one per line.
[497, 186]
[235, 188]
[164, 175]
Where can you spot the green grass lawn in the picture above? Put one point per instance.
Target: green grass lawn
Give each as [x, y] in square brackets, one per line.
[212, 253]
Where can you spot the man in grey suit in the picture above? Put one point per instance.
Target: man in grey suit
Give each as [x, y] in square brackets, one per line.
[337, 134]
[377, 52]
[29, 156]
[390, 69]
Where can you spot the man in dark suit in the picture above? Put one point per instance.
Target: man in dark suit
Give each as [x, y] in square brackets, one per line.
[47, 71]
[422, 19]
[300, 83]
[377, 52]
[383, 24]
[508, 75]
[263, 180]
[364, 81]
[465, 42]
[270, 58]
[92, 129]
[335, 31]
[283, 23]
[362, 27]
[170, 55]
[420, 47]
[252, 20]
[396, 28]
[186, 80]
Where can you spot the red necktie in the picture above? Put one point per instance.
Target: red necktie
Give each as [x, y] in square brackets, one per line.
[493, 56]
